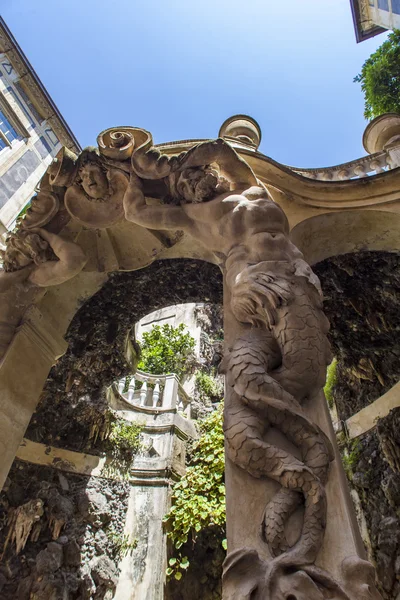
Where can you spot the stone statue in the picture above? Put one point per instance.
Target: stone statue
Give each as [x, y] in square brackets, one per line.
[40, 258]
[95, 198]
[88, 188]
[33, 259]
[278, 359]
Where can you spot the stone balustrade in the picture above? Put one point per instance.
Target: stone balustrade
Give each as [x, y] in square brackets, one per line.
[369, 165]
[155, 391]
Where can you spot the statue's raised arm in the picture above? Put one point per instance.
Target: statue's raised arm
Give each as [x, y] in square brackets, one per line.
[40, 258]
[205, 173]
[149, 163]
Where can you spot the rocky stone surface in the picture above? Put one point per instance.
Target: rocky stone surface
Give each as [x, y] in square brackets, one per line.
[74, 548]
[210, 318]
[361, 293]
[361, 301]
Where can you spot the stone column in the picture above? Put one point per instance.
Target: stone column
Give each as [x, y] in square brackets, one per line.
[23, 371]
[251, 570]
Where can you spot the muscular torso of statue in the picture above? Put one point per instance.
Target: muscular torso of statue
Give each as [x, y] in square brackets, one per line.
[241, 224]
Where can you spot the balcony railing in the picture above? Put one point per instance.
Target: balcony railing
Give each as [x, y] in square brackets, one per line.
[155, 391]
[372, 164]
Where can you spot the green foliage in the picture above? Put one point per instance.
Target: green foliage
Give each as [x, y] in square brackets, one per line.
[199, 497]
[125, 437]
[351, 455]
[122, 545]
[208, 386]
[380, 78]
[331, 381]
[166, 349]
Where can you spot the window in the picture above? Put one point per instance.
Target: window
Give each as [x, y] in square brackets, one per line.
[7, 132]
[396, 6]
[22, 107]
[383, 4]
[11, 128]
[28, 101]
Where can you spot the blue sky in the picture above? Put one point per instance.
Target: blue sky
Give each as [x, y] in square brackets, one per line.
[179, 68]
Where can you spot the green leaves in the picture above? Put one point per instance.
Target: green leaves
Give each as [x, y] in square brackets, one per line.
[199, 497]
[166, 349]
[125, 436]
[380, 78]
[208, 386]
[331, 381]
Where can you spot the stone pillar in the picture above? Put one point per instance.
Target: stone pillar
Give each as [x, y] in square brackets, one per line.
[160, 461]
[143, 572]
[23, 371]
[249, 570]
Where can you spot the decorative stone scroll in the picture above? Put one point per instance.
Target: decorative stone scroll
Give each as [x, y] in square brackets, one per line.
[277, 359]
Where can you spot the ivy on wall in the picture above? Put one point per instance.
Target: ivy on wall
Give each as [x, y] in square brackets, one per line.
[198, 499]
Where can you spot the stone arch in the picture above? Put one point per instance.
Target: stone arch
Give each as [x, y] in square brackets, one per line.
[95, 355]
[341, 232]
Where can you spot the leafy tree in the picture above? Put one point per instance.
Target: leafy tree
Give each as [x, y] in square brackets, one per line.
[380, 78]
[167, 349]
[198, 498]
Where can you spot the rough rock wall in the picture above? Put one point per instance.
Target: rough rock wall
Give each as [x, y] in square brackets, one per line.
[362, 303]
[72, 527]
[361, 293]
[80, 561]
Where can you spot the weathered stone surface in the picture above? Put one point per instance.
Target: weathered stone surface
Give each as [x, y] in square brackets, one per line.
[104, 571]
[361, 301]
[72, 554]
[61, 570]
[93, 506]
[73, 396]
[50, 559]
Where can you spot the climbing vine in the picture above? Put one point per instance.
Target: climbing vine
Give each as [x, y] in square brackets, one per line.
[199, 497]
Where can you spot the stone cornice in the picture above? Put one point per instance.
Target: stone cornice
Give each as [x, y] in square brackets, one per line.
[363, 192]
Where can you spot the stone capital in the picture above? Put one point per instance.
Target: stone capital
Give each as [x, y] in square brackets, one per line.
[40, 331]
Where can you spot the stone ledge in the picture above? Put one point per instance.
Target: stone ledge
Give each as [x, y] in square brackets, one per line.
[89, 465]
[366, 418]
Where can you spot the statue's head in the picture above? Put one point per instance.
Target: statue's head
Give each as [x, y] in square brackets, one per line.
[197, 184]
[92, 174]
[23, 248]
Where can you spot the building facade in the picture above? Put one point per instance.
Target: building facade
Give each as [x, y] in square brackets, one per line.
[371, 17]
[32, 130]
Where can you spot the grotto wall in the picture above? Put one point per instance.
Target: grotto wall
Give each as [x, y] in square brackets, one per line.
[61, 535]
[361, 300]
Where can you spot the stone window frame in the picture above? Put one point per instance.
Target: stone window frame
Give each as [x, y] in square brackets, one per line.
[13, 118]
